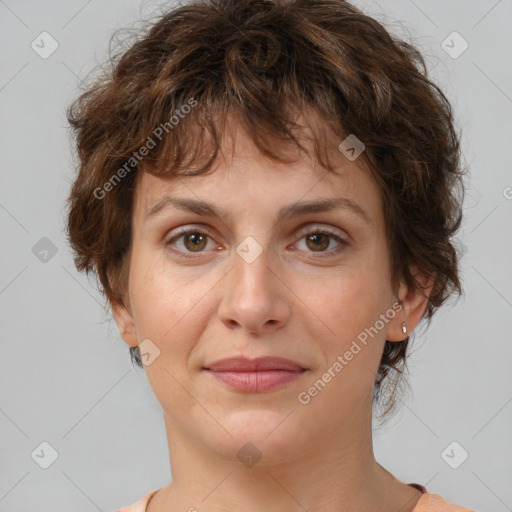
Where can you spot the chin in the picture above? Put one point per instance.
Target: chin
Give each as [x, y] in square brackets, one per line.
[258, 436]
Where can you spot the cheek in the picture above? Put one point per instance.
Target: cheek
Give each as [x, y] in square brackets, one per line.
[169, 306]
[155, 297]
[348, 301]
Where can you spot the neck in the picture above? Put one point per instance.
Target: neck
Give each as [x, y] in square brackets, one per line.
[334, 473]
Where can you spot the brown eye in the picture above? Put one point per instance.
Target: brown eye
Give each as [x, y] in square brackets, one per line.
[318, 241]
[195, 241]
[190, 243]
[322, 242]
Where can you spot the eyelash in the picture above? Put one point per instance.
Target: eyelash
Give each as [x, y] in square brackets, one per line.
[188, 231]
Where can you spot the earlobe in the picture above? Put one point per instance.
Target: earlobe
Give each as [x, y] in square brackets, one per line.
[413, 303]
[125, 323]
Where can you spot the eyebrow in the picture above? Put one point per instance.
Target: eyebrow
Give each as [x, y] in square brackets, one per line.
[294, 210]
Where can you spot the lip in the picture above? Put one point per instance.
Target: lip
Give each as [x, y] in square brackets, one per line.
[255, 375]
[243, 364]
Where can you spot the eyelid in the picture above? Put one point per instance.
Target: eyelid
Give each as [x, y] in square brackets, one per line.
[306, 229]
[301, 231]
[317, 226]
[185, 230]
[334, 234]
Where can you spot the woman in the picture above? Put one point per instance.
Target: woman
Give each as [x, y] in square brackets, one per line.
[267, 191]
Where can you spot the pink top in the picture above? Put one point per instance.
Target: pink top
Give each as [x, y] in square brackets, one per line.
[427, 503]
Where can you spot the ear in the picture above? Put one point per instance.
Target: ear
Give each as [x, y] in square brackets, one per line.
[125, 323]
[414, 304]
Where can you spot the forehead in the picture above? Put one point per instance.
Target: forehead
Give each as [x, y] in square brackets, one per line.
[243, 171]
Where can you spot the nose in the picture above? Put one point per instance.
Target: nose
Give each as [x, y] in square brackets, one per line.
[254, 297]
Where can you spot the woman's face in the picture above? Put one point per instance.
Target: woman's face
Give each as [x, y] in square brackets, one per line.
[257, 282]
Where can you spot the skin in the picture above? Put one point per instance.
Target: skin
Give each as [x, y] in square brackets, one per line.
[296, 300]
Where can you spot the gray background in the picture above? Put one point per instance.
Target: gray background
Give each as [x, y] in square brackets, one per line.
[66, 376]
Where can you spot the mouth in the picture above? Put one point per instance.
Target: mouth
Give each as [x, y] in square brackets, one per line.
[255, 375]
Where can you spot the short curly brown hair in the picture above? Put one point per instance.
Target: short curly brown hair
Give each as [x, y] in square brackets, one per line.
[161, 99]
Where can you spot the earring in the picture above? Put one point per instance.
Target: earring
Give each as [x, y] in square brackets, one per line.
[404, 326]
